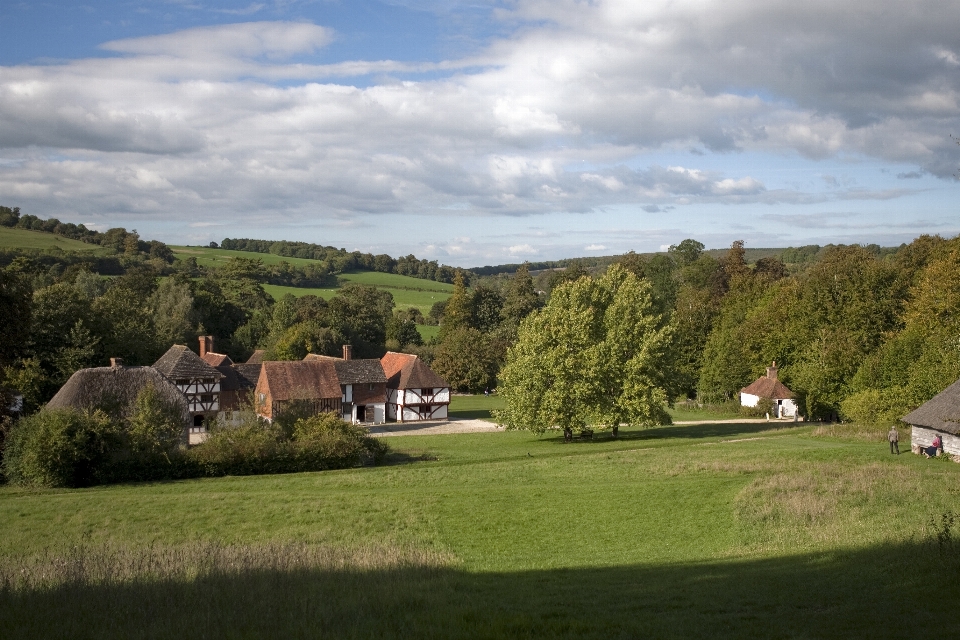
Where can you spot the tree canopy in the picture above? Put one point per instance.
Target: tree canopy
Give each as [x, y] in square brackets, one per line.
[594, 357]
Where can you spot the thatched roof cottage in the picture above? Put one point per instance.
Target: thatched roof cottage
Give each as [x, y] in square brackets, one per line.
[114, 390]
[938, 416]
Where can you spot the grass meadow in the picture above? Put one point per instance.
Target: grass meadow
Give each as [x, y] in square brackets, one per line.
[11, 238]
[731, 530]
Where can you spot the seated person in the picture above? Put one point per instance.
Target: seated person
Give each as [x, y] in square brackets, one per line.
[932, 450]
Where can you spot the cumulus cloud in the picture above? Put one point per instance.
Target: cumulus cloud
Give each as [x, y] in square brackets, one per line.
[237, 120]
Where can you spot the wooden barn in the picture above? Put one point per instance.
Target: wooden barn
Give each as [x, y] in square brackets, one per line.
[363, 387]
[114, 390]
[311, 386]
[414, 391]
[938, 416]
[769, 387]
[198, 381]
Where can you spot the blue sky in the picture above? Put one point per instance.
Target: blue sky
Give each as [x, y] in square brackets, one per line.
[486, 132]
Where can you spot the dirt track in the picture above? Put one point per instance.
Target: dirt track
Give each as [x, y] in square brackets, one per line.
[454, 425]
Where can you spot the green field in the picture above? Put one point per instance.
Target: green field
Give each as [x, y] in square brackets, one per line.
[475, 407]
[209, 257]
[25, 239]
[402, 298]
[732, 530]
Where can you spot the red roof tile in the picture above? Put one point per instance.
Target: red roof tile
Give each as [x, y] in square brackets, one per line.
[407, 371]
[299, 380]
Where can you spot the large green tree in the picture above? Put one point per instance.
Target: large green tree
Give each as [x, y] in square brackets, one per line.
[595, 356]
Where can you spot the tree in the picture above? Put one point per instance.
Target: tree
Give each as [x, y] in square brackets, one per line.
[594, 356]
[15, 309]
[485, 308]
[465, 359]
[521, 298]
[458, 312]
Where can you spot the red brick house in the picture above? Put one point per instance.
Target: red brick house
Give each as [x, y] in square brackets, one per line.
[363, 386]
[311, 386]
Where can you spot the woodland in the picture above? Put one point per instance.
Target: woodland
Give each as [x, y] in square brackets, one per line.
[860, 333]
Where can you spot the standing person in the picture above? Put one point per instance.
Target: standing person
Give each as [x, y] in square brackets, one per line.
[894, 437]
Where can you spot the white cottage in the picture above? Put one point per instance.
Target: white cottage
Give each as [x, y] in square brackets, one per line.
[414, 391]
[940, 416]
[768, 386]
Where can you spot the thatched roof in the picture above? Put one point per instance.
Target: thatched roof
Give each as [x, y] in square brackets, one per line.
[361, 371]
[299, 380]
[179, 363]
[942, 412]
[114, 390]
[407, 371]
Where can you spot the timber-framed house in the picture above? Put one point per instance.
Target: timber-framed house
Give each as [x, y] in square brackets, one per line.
[414, 391]
[197, 380]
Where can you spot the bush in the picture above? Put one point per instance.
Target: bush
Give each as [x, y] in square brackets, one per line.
[60, 448]
[318, 442]
[876, 406]
[326, 442]
[763, 407]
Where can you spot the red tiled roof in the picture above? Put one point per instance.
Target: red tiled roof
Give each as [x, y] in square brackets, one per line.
[216, 359]
[299, 380]
[407, 371]
[771, 388]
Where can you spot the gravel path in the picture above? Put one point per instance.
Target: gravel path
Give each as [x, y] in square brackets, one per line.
[455, 425]
[433, 427]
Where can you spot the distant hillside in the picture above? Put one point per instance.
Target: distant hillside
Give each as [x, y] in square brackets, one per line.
[789, 255]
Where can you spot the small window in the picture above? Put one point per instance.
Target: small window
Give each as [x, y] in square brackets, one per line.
[263, 397]
[206, 398]
[198, 421]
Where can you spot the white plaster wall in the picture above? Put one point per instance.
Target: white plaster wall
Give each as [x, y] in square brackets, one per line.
[924, 437]
[748, 400]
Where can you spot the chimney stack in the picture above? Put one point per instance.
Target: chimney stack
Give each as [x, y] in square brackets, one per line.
[116, 363]
[347, 352]
[772, 371]
[206, 345]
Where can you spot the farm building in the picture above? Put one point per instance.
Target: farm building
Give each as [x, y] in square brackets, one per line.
[938, 416]
[238, 382]
[363, 387]
[198, 381]
[770, 388]
[310, 386]
[414, 391]
[114, 390]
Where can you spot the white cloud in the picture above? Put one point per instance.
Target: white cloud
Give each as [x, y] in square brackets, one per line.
[231, 121]
[594, 247]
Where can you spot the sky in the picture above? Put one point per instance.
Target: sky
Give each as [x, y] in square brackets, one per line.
[483, 132]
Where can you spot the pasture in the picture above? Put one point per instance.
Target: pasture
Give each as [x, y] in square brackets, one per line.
[734, 530]
[403, 298]
[11, 238]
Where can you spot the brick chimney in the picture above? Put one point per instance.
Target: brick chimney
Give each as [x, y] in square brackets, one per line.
[206, 345]
[116, 363]
[347, 352]
[772, 370]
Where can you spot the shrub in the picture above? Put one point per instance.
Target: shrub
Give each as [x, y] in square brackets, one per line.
[60, 448]
[248, 449]
[876, 406]
[763, 407]
[325, 441]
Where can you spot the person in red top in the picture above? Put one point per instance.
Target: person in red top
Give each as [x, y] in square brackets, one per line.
[937, 445]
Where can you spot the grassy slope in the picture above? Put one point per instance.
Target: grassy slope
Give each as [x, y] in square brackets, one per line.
[407, 291]
[24, 239]
[730, 530]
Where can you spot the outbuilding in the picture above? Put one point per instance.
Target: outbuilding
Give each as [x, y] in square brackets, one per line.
[414, 391]
[939, 416]
[769, 387]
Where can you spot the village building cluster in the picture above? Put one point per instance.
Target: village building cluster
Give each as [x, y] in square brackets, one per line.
[210, 388]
